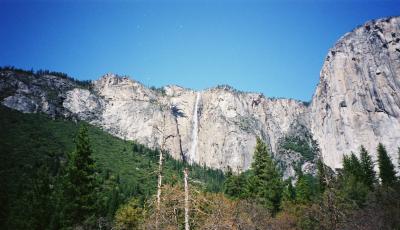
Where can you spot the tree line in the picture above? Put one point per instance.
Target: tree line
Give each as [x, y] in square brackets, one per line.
[43, 72]
[328, 200]
[78, 192]
[354, 197]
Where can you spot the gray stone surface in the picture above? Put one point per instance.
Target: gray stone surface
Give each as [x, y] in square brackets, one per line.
[357, 101]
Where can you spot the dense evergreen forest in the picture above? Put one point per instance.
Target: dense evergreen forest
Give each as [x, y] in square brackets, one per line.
[60, 174]
[35, 158]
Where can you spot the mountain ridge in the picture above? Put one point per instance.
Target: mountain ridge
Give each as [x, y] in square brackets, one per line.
[358, 83]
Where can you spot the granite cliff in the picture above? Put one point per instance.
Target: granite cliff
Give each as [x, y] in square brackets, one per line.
[357, 101]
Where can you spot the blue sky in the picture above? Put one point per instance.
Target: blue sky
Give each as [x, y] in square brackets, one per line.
[273, 47]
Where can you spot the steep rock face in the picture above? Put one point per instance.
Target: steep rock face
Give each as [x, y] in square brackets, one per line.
[125, 108]
[216, 127]
[230, 121]
[357, 101]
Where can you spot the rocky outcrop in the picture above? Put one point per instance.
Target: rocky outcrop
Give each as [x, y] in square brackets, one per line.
[30, 93]
[230, 121]
[356, 102]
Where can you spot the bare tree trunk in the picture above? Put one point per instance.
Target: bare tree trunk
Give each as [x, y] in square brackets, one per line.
[160, 163]
[164, 139]
[186, 175]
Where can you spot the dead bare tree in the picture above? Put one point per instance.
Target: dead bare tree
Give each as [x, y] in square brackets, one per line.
[164, 139]
[186, 175]
[159, 183]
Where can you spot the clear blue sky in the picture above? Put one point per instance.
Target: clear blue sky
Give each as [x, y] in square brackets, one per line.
[273, 47]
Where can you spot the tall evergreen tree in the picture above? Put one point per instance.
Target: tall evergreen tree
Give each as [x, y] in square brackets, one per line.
[234, 185]
[352, 180]
[289, 192]
[265, 184]
[356, 168]
[367, 165]
[305, 188]
[80, 183]
[386, 167]
[352, 167]
[228, 184]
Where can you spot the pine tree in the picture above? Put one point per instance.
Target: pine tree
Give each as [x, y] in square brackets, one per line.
[305, 188]
[347, 166]
[289, 193]
[386, 167]
[356, 168]
[230, 187]
[228, 184]
[352, 167]
[367, 165]
[265, 184]
[80, 182]
[234, 185]
[352, 180]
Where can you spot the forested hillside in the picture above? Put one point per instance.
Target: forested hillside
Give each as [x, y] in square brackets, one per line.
[33, 153]
[61, 174]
